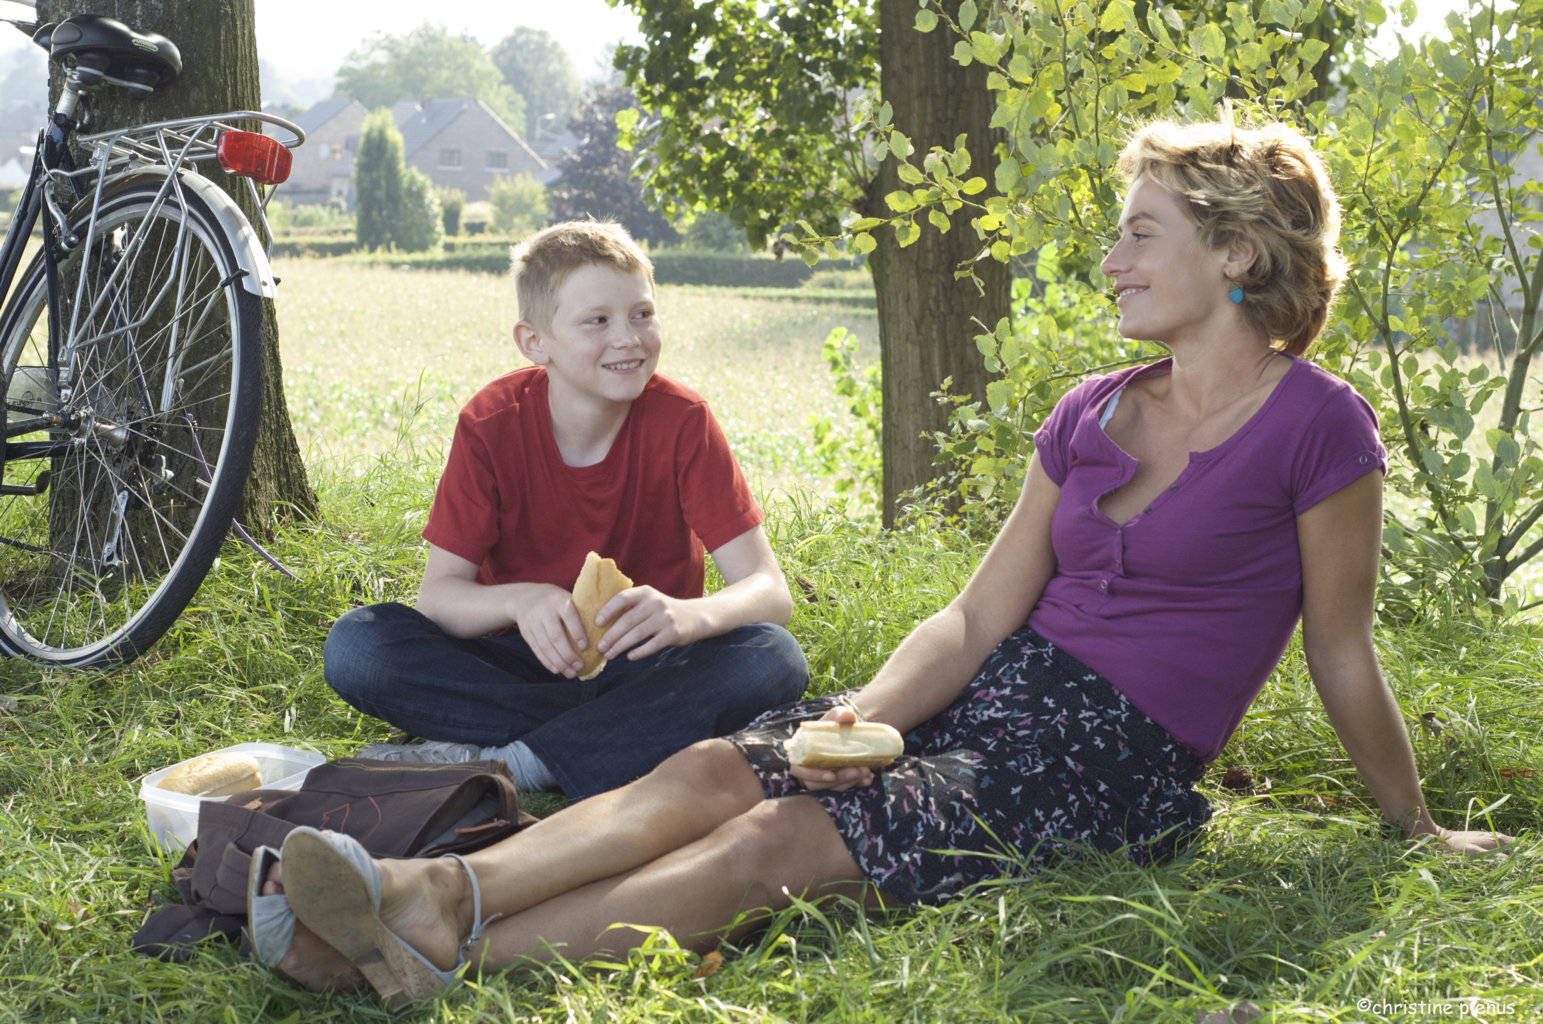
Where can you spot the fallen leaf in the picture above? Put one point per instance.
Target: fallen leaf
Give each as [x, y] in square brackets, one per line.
[710, 965]
[1238, 779]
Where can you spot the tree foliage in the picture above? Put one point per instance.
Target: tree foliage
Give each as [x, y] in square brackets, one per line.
[520, 205]
[750, 108]
[596, 173]
[378, 173]
[1439, 224]
[536, 66]
[427, 63]
[419, 224]
[753, 111]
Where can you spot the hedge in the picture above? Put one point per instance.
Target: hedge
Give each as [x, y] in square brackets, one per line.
[729, 270]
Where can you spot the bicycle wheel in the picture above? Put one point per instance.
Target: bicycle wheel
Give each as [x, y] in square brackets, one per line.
[153, 421]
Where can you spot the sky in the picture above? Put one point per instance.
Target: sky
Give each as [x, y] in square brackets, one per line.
[310, 38]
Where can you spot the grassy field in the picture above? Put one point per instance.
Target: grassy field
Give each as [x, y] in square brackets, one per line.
[375, 360]
[1294, 900]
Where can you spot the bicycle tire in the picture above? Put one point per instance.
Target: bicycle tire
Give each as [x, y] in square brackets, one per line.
[161, 423]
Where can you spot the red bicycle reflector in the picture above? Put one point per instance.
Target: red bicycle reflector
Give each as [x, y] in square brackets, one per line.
[264, 160]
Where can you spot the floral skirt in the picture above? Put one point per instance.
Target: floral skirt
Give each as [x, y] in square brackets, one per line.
[1037, 757]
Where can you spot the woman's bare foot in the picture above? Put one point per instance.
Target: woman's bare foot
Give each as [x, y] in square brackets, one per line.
[310, 961]
[428, 904]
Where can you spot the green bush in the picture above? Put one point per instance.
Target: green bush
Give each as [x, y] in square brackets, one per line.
[520, 205]
[310, 245]
[451, 202]
[378, 173]
[419, 225]
[715, 232]
[724, 270]
[731, 270]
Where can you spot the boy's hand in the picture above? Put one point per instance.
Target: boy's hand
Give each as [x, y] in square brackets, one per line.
[641, 620]
[550, 624]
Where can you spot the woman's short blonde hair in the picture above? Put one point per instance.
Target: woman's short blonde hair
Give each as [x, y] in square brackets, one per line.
[1264, 185]
[543, 261]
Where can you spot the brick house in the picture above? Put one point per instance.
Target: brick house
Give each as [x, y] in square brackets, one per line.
[323, 168]
[460, 143]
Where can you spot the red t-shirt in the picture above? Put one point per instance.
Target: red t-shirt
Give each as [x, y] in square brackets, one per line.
[668, 490]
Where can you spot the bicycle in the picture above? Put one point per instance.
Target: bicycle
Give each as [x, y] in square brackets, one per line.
[131, 352]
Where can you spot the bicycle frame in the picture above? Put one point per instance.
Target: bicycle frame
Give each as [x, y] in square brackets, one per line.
[170, 150]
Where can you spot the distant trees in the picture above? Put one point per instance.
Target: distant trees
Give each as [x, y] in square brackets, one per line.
[597, 174]
[428, 63]
[519, 204]
[537, 67]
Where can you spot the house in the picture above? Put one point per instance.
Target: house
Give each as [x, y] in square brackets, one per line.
[323, 168]
[460, 143]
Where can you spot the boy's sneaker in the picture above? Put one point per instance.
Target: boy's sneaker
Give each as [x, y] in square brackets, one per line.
[428, 752]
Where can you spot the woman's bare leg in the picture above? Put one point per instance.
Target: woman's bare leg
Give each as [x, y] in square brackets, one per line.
[755, 860]
[682, 800]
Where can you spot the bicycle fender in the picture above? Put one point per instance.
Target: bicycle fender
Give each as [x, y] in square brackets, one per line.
[250, 254]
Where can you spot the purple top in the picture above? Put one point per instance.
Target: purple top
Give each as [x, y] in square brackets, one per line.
[1188, 606]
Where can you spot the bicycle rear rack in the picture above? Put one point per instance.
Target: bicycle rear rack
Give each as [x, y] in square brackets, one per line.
[175, 144]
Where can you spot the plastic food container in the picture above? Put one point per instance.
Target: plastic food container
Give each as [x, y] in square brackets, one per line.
[173, 817]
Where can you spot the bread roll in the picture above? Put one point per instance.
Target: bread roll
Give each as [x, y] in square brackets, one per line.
[217, 774]
[833, 745]
[598, 582]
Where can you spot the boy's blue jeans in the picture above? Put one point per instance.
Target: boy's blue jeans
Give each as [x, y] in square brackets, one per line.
[390, 661]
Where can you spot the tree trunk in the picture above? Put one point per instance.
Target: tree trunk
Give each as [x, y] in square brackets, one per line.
[928, 319]
[218, 41]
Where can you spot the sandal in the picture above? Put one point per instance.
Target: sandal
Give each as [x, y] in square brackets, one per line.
[270, 924]
[334, 889]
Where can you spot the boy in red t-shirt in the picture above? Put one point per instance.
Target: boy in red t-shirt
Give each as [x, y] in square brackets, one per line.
[586, 450]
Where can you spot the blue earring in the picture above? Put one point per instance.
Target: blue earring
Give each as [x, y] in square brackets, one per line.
[1236, 295]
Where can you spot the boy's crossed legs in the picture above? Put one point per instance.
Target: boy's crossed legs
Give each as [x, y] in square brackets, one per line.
[391, 662]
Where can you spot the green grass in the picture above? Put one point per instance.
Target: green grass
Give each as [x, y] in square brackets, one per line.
[374, 357]
[1293, 899]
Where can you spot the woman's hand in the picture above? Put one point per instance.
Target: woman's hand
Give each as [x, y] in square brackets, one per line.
[834, 778]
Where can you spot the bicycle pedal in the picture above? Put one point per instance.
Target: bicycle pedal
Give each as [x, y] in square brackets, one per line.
[38, 486]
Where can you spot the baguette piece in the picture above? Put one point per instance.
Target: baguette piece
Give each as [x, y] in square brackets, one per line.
[833, 745]
[598, 582]
[217, 774]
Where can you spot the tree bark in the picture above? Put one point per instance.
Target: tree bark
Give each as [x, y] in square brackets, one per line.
[218, 41]
[928, 319]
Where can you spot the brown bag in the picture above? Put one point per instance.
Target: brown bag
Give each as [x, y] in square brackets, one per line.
[394, 809]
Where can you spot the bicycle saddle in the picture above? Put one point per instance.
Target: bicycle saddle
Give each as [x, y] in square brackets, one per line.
[140, 60]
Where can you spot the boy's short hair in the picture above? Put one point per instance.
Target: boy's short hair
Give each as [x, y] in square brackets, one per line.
[543, 261]
[1264, 184]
